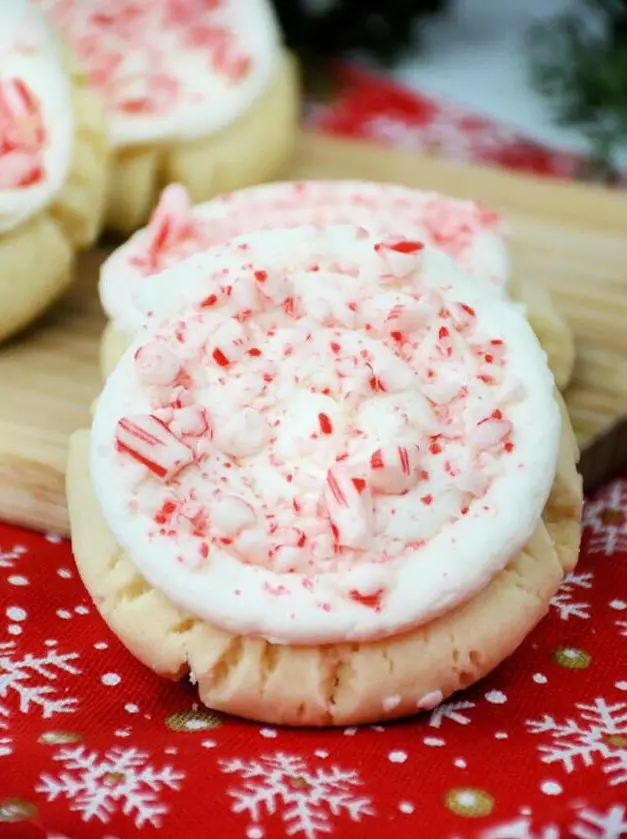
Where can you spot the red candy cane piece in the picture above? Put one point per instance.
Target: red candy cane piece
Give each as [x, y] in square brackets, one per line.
[228, 343]
[22, 136]
[393, 468]
[349, 504]
[156, 364]
[149, 441]
[171, 223]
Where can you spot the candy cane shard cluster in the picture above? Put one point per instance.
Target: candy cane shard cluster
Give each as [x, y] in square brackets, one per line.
[36, 118]
[189, 86]
[323, 433]
[471, 235]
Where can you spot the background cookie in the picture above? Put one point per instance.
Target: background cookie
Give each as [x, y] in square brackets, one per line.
[473, 236]
[53, 154]
[203, 95]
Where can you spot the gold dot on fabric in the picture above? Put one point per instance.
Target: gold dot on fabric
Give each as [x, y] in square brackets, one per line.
[16, 810]
[571, 658]
[469, 802]
[53, 738]
[193, 721]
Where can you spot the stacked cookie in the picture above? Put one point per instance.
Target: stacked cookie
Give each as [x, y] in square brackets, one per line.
[471, 235]
[330, 478]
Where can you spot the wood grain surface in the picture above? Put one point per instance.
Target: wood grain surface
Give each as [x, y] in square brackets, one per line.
[571, 237]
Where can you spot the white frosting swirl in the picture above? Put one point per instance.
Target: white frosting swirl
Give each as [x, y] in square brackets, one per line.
[472, 236]
[324, 435]
[172, 69]
[36, 117]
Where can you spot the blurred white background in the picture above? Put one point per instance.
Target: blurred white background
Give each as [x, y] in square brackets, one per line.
[478, 56]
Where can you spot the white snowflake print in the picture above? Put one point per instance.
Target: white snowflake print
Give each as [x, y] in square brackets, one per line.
[599, 732]
[26, 676]
[521, 829]
[591, 824]
[606, 518]
[7, 558]
[564, 600]
[622, 628]
[450, 711]
[305, 798]
[6, 743]
[98, 786]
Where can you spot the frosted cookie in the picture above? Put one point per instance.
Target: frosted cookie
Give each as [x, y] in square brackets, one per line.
[52, 165]
[471, 235]
[197, 92]
[330, 479]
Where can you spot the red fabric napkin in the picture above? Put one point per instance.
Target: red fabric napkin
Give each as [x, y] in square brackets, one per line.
[94, 745]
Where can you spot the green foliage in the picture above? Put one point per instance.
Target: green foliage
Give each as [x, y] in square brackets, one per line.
[579, 61]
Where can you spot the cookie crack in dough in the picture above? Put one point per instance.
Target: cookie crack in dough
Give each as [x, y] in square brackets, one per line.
[226, 663]
[268, 664]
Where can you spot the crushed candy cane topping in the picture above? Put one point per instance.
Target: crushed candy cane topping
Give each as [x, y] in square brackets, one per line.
[471, 235]
[22, 135]
[330, 419]
[36, 118]
[171, 68]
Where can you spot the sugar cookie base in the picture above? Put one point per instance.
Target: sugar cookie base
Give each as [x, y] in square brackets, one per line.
[36, 257]
[546, 321]
[554, 334]
[334, 684]
[249, 151]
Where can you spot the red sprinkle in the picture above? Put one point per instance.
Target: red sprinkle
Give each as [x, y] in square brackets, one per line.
[435, 448]
[509, 446]
[220, 358]
[254, 352]
[401, 247]
[372, 601]
[325, 424]
[261, 276]
[335, 347]
[427, 499]
[209, 301]
[360, 485]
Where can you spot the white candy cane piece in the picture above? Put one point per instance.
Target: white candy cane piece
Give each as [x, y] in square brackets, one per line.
[244, 434]
[491, 431]
[390, 375]
[150, 442]
[192, 421]
[407, 317]
[393, 468]
[156, 364]
[228, 343]
[399, 257]
[349, 504]
[231, 515]
[272, 286]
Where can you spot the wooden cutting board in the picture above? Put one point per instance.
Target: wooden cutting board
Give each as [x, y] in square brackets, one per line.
[569, 236]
